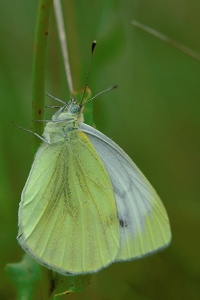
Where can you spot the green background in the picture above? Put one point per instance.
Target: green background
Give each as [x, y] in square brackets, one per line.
[153, 116]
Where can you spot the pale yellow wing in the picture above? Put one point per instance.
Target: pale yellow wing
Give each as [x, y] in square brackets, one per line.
[68, 217]
[144, 223]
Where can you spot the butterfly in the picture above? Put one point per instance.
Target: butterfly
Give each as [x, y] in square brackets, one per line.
[86, 204]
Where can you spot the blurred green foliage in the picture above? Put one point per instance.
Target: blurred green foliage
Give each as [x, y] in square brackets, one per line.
[153, 116]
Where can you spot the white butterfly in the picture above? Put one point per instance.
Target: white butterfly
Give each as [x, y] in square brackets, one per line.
[85, 204]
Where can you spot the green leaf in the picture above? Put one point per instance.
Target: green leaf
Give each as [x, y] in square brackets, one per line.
[25, 277]
[69, 284]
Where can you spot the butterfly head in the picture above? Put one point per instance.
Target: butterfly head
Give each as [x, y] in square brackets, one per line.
[71, 111]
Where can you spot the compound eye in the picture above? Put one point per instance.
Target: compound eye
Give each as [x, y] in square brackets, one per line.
[75, 109]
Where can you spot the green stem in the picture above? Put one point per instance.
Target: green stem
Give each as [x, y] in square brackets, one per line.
[39, 63]
[188, 51]
[38, 93]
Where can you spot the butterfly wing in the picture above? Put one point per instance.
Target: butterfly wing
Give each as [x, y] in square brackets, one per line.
[144, 223]
[68, 216]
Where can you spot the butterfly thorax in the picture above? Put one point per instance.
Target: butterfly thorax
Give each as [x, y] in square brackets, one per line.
[66, 119]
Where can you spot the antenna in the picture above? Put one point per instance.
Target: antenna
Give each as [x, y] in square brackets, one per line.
[88, 71]
[52, 97]
[100, 93]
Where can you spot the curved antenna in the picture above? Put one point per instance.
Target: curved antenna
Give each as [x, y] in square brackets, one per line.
[100, 93]
[88, 71]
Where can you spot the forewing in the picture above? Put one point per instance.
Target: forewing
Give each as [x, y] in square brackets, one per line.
[68, 215]
[144, 223]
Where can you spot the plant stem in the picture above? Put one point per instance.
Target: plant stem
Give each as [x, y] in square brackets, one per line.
[38, 93]
[188, 51]
[63, 43]
[39, 63]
